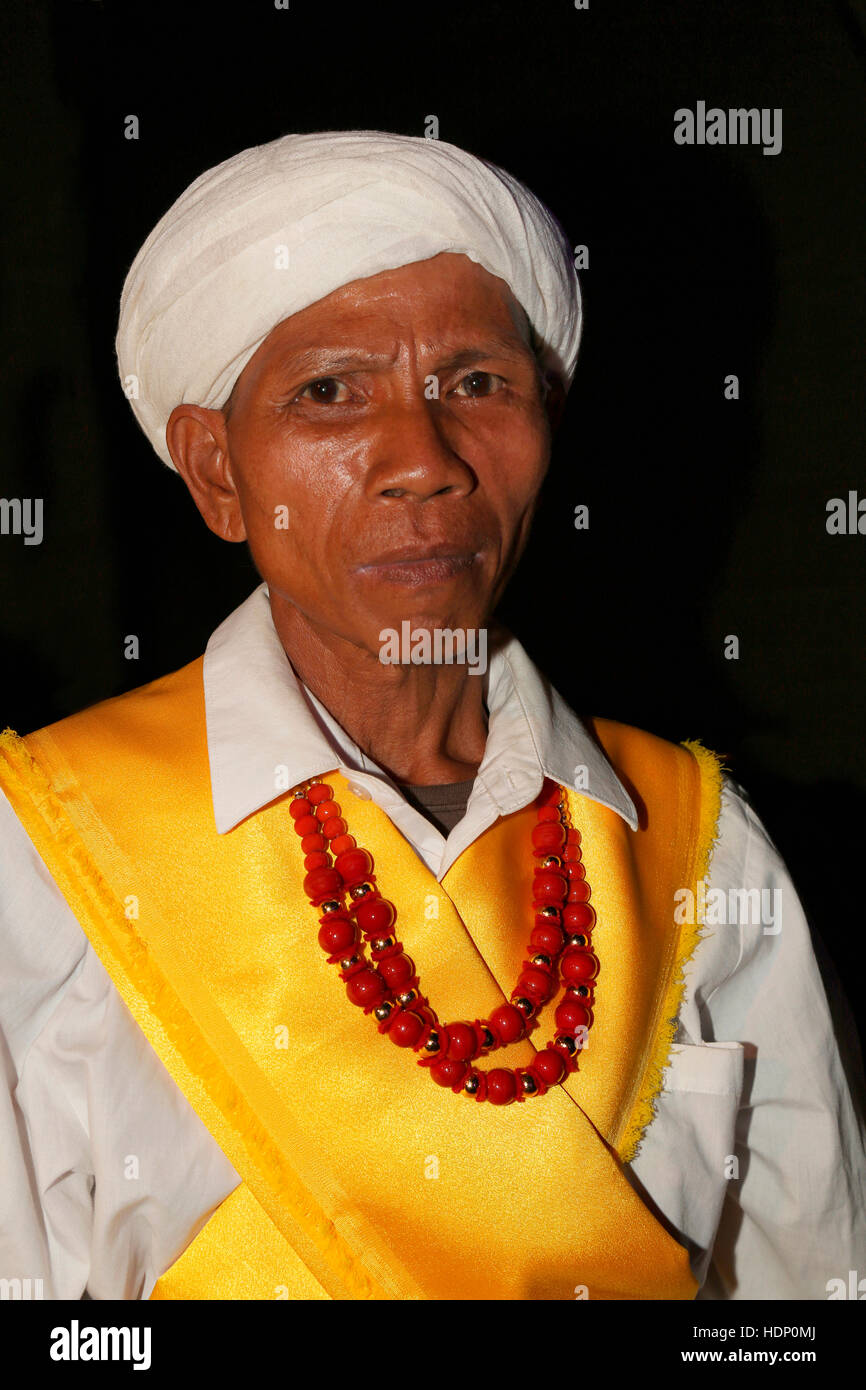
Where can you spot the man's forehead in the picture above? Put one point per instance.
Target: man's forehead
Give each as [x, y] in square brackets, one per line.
[449, 288]
[369, 320]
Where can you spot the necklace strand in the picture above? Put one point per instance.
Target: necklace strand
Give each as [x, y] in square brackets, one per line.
[341, 884]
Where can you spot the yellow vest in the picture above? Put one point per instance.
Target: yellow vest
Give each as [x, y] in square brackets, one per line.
[360, 1177]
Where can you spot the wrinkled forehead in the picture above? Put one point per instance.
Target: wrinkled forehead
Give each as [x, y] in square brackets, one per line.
[440, 299]
[442, 310]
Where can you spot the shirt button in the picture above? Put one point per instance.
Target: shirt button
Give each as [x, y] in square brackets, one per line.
[360, 792]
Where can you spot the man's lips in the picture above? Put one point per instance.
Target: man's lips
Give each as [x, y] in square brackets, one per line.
[419, 565]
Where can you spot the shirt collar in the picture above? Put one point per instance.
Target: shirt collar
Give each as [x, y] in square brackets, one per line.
[266, 732]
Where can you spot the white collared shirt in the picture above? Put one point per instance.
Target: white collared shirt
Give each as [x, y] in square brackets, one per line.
[755, 1159]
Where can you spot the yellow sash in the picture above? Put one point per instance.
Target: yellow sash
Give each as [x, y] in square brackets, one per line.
[360, 1177]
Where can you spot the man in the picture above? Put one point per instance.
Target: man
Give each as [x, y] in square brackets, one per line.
[287, 929]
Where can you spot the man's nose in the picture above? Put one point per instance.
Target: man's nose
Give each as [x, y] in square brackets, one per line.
[414, 457]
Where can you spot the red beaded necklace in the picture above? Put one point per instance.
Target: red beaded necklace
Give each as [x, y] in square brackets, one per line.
[388, 984]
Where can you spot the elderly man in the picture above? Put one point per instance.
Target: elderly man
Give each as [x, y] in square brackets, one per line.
[335, 972]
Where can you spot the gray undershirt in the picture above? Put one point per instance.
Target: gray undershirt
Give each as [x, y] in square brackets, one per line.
[444, 806]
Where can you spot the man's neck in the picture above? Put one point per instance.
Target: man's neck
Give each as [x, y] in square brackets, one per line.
[421, 724]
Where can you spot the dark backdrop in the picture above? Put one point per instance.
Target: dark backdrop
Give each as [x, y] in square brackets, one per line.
[707, 517]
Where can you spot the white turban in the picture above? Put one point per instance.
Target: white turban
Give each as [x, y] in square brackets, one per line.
[280, 226]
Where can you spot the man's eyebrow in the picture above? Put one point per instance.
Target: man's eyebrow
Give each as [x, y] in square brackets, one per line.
[330, 360]
[320, 360]
[490, 347]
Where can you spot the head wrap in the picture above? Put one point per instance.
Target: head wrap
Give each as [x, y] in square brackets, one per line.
[279, 226]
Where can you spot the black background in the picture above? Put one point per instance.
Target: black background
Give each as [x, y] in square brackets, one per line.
[707, 517]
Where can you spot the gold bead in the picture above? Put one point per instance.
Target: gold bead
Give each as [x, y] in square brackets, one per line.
[432, 1043]
[489, 1040]
[471, 1085]
[567, 1044]
[408, 997]
[541, 959]
[528, 1084]
[383, 1011]
[382, 943]
[360, 890]
[550, 912]
[579, 940]
[553, 861]
[525, 1007]
[348, 962]
[330, 906]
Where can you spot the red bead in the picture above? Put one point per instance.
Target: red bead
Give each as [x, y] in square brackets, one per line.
[550, 1066]
[577, 966]
[366, 989]
[311, 843]
[461, 1041]
[342, 843]
[571, 1014]
[306, 825]
[406, 1029]
[548, 813]
[573, 872]
[319, 792]
[507, 1023]
[317, 860]
[449, 1072]
[320, 884]
[573, 837]
[578, 917]
[536, 985]
[548, 838]
[501, 1086]
[571, 854]
[337, 936]
[578, 891]
[299, 807]
[550, 794]
[354, 866]
[326, 809]
[375, 917]
[550, 887]
[334, 827]
[548, 939]
[397, 971]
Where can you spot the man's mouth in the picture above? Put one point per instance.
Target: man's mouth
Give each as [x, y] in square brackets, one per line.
[419, 565]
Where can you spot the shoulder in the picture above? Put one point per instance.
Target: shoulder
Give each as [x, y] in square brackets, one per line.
[659, 773]
[118, 737]
[148, 703]
[627, 744]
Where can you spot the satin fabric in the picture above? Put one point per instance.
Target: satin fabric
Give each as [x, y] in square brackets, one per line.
[361, 1178]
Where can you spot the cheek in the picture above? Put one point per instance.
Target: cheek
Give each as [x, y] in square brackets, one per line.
[289, 494]
[516, 453]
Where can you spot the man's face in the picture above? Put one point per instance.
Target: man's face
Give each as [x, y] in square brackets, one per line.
[386, 447]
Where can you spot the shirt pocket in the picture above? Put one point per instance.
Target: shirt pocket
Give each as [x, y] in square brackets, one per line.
[711, 1069]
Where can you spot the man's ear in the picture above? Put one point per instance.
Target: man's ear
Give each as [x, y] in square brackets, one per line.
[197, 440]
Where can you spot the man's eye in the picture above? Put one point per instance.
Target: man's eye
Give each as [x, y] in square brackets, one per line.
[325, 390]
[478, 384]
